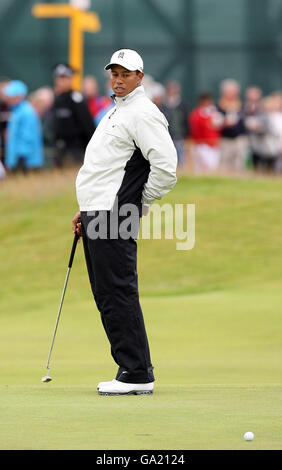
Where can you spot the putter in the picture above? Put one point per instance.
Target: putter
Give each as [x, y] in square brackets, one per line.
[47, 377]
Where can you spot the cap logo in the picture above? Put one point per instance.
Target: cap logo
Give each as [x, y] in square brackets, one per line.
[121, 55]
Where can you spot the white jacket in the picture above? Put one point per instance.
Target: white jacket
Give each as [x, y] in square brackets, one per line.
[130, 155]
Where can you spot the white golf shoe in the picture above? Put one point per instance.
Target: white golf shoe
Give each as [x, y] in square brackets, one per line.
[115, 387]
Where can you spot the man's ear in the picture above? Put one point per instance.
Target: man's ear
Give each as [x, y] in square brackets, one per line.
[140, 75]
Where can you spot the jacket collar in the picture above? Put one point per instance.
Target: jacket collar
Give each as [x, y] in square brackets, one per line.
[122, 101]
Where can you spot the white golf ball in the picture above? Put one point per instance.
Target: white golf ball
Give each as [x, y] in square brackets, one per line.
[248, 436]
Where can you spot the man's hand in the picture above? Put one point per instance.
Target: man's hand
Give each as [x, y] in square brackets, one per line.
[76, 226]
[145, 209]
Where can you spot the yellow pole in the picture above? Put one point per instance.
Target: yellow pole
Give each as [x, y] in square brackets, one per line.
[53, 10]
[80, 21]
[75, 51]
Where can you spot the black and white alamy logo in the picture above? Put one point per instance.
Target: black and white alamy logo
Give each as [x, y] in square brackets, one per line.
[165, 221]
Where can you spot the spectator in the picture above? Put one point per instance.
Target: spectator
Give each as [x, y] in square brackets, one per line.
[234, 143]
[148, 84]
[73, 123]
[277, 125]
[253, 97]
[2, 171]
[98, 105]
[176, 113]
[42, 100]
[265, 135]
[24, 134]
[204, 124]
[4, 118]
[157, 95]
[252, 118]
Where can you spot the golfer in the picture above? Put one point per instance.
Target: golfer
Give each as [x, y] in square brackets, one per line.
[129, 162]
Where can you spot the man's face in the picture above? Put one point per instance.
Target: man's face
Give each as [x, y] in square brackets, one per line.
[232, 92]
[124, 81]
[12, 101]
[62, 84]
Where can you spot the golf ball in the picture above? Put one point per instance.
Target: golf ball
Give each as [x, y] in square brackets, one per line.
[248, 436]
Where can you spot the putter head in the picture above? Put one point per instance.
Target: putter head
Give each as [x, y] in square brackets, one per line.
[47, 378]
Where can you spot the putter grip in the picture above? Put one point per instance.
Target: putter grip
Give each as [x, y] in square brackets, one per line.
[75, 240]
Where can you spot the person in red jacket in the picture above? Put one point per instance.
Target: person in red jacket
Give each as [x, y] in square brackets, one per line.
[98, 105]
[204, 129]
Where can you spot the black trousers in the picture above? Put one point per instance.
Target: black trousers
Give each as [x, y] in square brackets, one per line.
[111, 265]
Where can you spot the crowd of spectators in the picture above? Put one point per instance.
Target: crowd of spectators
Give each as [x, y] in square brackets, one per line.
[50, 127]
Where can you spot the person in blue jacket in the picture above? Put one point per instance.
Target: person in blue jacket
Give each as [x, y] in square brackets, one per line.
[24, 146]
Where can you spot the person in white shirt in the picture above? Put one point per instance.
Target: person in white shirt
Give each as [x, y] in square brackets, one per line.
[129, 162]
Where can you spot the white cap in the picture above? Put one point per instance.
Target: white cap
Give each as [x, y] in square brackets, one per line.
[128, 58]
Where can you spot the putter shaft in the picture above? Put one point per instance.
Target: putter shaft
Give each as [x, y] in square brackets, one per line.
[76, 238]
[58, 318]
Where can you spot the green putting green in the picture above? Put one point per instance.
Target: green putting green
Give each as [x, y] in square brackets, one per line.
[213, 316]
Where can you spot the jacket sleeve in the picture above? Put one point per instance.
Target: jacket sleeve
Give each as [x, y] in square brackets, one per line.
[155, 143]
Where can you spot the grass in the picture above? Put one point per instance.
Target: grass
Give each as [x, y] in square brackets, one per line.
[213, 316]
